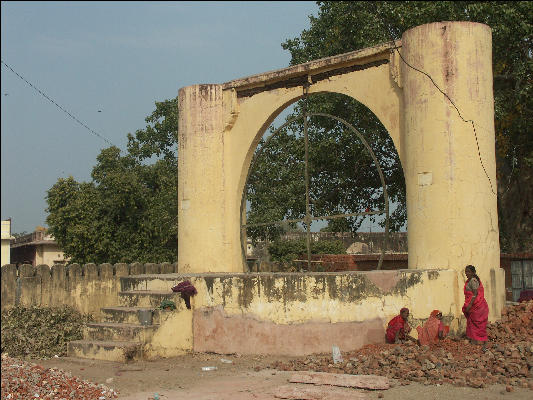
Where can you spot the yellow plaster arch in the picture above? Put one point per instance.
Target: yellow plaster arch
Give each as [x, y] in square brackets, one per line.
[451, 204]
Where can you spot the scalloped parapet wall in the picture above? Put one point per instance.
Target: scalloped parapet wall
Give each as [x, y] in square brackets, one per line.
[87, 287]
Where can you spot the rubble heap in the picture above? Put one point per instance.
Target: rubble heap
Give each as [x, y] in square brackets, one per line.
[508, 359]
[23, 380]
[515, 325]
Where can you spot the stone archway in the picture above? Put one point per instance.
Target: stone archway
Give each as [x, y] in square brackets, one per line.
[451, 204]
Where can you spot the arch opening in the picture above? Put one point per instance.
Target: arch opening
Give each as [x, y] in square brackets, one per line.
[352, 164]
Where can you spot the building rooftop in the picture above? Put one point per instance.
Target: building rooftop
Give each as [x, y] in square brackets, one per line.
[34, 238]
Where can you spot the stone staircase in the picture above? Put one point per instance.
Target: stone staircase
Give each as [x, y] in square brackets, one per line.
[121, 336]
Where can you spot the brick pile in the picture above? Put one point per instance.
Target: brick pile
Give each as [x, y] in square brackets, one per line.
[515, 325]
[508, 359]
[24, 380]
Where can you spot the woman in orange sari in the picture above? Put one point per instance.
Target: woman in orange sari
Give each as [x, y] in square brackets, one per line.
[432, 330]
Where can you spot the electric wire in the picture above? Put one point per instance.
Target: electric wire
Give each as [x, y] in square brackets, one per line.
[440, 90]
[58, 106]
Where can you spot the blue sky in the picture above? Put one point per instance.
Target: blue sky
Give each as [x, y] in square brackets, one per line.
[117, 57]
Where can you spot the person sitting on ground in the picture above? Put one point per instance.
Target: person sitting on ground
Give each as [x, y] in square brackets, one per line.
[432, 330]
[398, 328]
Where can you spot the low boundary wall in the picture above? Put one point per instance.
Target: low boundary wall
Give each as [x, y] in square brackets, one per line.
[300, 313]
[86, 288]
[252, 313]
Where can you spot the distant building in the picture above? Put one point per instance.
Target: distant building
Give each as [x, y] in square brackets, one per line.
[37, 248]
[6, 239]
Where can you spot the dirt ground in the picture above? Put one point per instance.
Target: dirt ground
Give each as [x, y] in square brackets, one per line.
[246, 378]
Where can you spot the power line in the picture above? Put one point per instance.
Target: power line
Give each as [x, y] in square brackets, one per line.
[58, 106]
[440, 90]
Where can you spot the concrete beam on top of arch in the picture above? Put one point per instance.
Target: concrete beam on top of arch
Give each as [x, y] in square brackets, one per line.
[313, 71]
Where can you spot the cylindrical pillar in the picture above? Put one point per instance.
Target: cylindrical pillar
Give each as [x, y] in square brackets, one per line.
[451, 186]
[202, 236]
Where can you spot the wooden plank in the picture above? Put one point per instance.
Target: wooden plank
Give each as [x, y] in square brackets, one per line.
[295, 392]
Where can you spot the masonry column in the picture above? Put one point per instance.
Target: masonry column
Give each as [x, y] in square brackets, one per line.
[202, 242]
[451, 189]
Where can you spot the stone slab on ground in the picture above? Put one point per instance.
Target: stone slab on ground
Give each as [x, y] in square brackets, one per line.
[299, 392]
[374, 382]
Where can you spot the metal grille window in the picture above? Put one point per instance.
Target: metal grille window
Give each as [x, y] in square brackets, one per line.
[522, 277]
[309, 218]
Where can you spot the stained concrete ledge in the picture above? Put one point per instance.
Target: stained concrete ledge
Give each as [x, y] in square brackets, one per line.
[354, 284]
[362, 56]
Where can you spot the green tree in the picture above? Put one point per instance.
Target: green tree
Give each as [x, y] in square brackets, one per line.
[341, 27]
[128, 212]
[290, 250]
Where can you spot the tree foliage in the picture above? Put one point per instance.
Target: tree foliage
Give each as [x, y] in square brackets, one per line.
[128, 212]
[342, 177]
[289, 250]
[40, 332]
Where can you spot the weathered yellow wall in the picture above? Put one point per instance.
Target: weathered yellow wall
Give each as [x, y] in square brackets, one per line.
[174, 335]
[452, 214]
[86, 288]
[253, 313]
[298, 313]
[330, 297]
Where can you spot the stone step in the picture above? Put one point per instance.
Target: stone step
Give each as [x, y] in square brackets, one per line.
[127, 315]
[121, 351]
[147, 298]
[112, 331]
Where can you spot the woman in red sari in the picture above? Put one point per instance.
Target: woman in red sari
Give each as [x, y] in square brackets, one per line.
[398, 328]
[432, 330]
[475, 309]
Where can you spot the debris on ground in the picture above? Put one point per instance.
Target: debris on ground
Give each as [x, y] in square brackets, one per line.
[40, 332]
[24, 380]
[508, 359]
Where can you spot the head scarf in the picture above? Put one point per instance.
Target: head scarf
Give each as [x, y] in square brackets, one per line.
[434, 313]
[404, 309]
